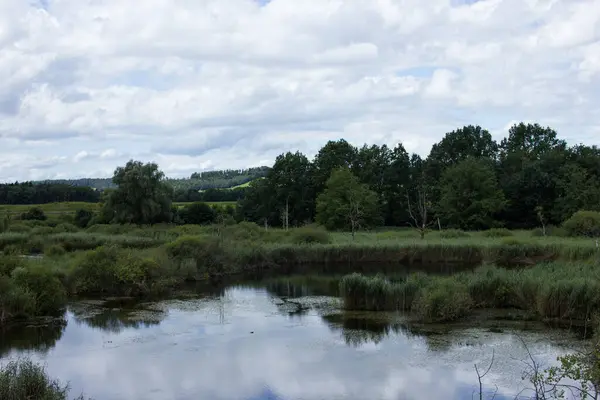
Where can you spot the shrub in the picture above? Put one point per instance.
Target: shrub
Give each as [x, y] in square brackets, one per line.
[83, 217]
[49, 294]
[54, 251]
[497, 232]
[34, 214]
[583, 223]
[66, 227]
[205, 252]
[112, 270]
[453, 234]
[12, 239]
[443, 300]
[198, 214]
[22, 379]
[35, 245]
[8, 263]
[310, 235]
[244, 231]
[15, 302]
[42, 230]
[18, 228]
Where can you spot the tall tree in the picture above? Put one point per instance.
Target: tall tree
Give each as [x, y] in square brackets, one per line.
[470, 195]
[347, 204]
[458, 145]
[142, 195]
[333, 155]
[530, 159]
[291, 185]
[259, 204]
[396, 183]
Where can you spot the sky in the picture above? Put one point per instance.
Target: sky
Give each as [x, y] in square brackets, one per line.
[193, 85]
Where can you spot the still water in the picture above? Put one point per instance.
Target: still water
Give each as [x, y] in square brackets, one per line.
[276, 341]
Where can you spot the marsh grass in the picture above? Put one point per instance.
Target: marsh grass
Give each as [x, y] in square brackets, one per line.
[23, 379]
[552, 291]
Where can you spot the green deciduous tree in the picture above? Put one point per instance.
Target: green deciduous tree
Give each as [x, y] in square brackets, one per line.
[347, 204]
[142, 195]
[470, 195]
[333, 155]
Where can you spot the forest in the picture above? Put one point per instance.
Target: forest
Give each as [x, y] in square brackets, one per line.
[531, 178]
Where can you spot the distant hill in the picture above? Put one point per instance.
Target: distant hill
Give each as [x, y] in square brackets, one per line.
[221, 179]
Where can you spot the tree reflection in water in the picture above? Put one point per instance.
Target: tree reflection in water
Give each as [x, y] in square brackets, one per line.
[40, 338]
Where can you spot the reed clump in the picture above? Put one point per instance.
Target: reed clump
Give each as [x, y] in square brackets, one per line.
[23, 379]
[557, 291]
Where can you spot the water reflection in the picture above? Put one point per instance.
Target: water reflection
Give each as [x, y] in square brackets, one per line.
[40, 338]
[273, 342]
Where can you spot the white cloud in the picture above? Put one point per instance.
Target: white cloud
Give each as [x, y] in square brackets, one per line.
[231, 83]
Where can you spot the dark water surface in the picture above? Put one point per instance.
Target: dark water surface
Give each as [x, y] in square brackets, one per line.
[248, 343]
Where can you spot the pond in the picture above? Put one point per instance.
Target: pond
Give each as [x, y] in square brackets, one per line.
[277, 340]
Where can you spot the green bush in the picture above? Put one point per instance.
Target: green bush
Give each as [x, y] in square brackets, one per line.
[205, 252]
[443, 300]
[65, 227]
[15, 302]
[583, 223]
[35, 245]
[8, 263]
[366, 293]
[12, 239]
[42, 230]
[113, 270]
[83, 217]
[18, 228]
[54, 250]
[22, 379]
[49, 293]
[34, 214]
[497, 232]
[550, 231]
[310, 235]
[453, 234]
[198, 213]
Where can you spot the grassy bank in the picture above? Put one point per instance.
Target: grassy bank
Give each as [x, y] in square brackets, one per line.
[143, 261]
[565, 291]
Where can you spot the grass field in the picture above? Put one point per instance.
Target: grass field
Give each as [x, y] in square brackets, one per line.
[72, 207]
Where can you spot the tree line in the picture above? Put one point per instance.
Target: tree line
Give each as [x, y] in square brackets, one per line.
[219, 179]
[31, 193]
[468, 181]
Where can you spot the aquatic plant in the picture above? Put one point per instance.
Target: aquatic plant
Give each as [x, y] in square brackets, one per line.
[23, 379]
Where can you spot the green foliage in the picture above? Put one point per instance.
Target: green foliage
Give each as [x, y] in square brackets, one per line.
[66, 227]
[310, 235]
[142, 196]
[453, 234]
[48, 292]
[197, 214]
[583, 223]
[497, 233]
[491, 287]
[443, 300]
[347, 204]
[112, 270]
[22, 379]
[205, 253]
[470, 195]
[83, 217]
[35, 214]
[54, 251]
[19, 228]
[15, 302]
